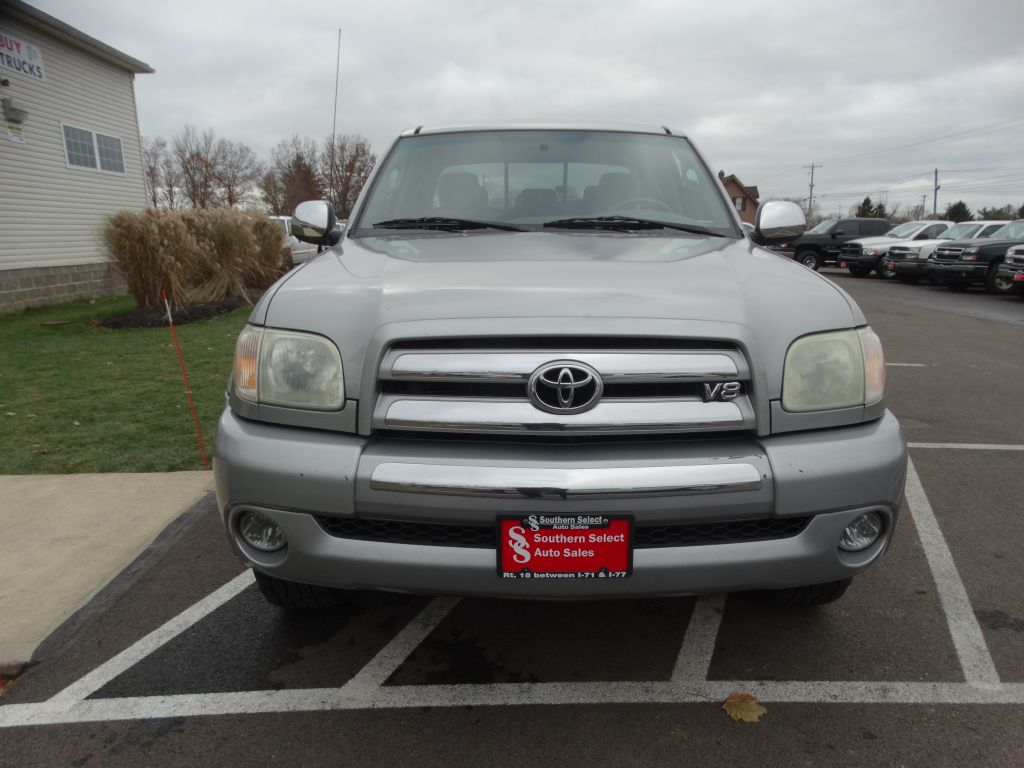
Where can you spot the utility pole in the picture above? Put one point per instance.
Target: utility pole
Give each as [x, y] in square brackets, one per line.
[935, 199]
[924, 199]
[810, 194]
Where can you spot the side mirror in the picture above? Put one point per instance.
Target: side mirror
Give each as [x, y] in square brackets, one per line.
[838, 232]
[778, 221]
[313, 222]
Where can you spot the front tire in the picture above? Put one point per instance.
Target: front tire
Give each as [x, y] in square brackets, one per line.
[996, 283]
[810, 595]
[293, 595]
[809, 259]
[885, 272]
[858, 271]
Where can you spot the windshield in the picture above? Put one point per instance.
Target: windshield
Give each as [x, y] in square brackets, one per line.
[1012, 231]
[823, 227]
[961, 231]
[524, 179]
[905, 230]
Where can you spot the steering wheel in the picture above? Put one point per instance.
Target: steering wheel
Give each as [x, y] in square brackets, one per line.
[634, 203]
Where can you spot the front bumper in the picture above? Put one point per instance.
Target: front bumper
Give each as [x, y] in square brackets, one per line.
[1015, 275]
[959, 272]
[295, 475]
[860, 260]
[912, 267]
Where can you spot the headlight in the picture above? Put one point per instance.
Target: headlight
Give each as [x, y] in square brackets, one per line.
[970, 254]
[288, 368]
[840, 369]
[913, 253]
[870, 251]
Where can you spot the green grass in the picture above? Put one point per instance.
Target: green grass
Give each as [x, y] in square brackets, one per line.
[79, 398]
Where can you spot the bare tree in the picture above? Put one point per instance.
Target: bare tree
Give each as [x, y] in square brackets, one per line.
[345, 165]
[170, 179]
[273, 192]
[154, 152]
[292, 176]
[197, 159]
[237, 170]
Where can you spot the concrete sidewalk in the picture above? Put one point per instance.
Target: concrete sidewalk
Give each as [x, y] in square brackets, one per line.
[66, 536]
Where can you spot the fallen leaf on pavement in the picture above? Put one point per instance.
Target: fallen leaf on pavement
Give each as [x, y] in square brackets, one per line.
[744, 706]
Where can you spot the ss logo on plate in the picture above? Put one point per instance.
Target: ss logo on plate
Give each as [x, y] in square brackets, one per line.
[721, 390]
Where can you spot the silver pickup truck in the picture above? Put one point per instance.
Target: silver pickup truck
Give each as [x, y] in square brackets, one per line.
[544, 361]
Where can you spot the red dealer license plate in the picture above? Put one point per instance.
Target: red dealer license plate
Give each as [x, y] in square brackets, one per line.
[565, 546]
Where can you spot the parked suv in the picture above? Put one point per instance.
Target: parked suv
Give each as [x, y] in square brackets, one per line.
[863, 256]
[909, 261]
[821, 245]
[547, 362]
[960, 263]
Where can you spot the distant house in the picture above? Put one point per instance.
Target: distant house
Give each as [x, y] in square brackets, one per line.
[744, 198]
[70, 155]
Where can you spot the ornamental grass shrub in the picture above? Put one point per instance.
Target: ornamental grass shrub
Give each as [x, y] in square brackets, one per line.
[200, 255]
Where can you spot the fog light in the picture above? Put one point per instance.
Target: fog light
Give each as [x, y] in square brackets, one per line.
[862, 532]
[260, 532]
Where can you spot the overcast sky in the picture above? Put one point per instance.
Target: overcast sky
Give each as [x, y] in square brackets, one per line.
[878, 93]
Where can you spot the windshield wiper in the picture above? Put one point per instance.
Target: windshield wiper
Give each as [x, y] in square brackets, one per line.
[626, 223]
[445, 223]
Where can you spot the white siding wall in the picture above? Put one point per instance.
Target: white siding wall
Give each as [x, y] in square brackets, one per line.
[50, 212]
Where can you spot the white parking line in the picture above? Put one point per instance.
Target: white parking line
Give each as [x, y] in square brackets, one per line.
[968, 639]
[698, 646]
[968, 446]
[391, 656]
[349, 697]
[906, 365]
[135, 653]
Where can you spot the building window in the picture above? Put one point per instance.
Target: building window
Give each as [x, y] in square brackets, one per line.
[86, 149]
[738, 202]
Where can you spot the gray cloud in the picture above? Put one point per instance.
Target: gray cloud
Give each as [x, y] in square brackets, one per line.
[764, 88]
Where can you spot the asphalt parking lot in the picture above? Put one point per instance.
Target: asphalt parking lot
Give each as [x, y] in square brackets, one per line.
[921, 663]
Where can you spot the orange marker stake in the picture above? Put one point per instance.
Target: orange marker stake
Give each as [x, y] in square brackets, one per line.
[188, 389]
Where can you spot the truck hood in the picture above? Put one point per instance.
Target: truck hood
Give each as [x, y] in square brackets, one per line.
[369, 292]
[1000, 243]
[880, 240]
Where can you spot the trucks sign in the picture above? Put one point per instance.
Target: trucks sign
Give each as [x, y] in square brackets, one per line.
[20, 57]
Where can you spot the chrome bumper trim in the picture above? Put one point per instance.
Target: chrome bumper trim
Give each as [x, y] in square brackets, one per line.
[610, 417]
[547, 483]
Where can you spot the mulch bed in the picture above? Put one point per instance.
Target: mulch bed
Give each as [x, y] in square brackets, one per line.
[157, 318]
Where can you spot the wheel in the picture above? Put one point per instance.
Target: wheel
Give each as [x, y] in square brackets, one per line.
[996, 283]
[858, 271]
[885, 271]
[809, 259]
[812, 594]
[291, 594]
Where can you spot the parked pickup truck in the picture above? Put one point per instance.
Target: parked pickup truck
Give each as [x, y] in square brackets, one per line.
[1012, 269]
[546, 362]
[960, 263]
[863, 256]
[909, 261]
[821, 245]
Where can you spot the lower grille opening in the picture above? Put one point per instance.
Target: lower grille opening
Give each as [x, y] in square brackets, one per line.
[645, 536]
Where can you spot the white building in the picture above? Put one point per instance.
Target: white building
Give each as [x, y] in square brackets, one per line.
[70, 155]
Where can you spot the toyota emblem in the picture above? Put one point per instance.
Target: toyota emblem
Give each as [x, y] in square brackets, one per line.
[565, 386]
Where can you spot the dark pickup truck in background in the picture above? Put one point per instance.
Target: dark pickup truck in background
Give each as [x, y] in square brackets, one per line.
[961, 263]
[822, 244]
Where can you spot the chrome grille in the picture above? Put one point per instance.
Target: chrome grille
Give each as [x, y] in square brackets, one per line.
[948, 253]
[902, 252]
[647, 390]
[1015, 257]
[852, 249]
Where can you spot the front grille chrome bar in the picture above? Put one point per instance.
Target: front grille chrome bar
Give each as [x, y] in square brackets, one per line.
[609, 417]
[548, 483]
[507, 367]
